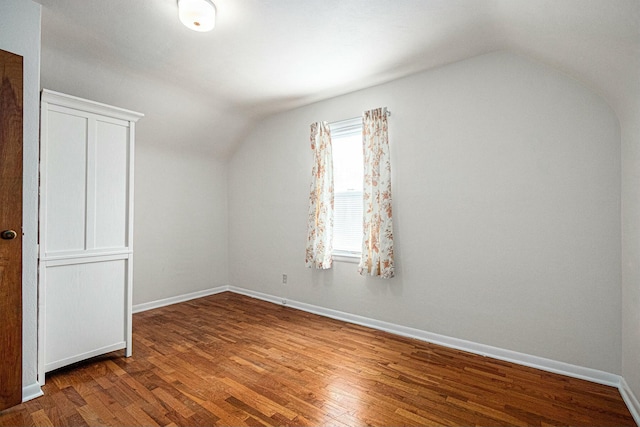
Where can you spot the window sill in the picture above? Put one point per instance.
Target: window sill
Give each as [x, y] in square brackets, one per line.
[349, 257]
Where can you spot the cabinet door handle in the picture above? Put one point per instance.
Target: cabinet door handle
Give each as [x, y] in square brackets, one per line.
[8, 235]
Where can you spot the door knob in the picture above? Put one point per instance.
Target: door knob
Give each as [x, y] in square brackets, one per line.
[8, 235]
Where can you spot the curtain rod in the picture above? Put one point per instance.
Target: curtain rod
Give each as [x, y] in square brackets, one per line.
[353, 118]
[388, 112]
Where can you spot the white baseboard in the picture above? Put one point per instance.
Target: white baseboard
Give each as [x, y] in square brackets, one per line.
[31, 391]
[630, 399]
[180, 298]
[537, 362]
[259, 295]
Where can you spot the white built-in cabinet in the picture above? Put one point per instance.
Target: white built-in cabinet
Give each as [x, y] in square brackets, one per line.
[86, 230]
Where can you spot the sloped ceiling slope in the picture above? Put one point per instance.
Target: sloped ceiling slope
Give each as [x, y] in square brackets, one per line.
[203, 91]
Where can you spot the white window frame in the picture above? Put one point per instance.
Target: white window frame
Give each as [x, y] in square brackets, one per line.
[340, 129]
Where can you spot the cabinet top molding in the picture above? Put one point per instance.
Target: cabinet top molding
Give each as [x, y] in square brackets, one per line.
[57, 98]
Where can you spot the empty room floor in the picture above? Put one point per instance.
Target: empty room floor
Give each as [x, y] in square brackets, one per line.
[229, 359]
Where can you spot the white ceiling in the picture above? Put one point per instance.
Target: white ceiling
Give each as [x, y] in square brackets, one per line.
[204, 90]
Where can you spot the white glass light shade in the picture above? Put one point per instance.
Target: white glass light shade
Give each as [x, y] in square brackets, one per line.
[197, 15]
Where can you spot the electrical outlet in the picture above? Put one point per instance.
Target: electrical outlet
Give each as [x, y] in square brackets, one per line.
[284, 279]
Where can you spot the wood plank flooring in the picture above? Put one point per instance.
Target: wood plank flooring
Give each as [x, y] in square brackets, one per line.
[233, 360]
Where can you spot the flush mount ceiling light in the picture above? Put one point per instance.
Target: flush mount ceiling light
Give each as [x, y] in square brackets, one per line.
[197, 15]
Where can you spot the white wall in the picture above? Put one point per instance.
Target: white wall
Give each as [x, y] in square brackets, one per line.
[180, 227]
[630, 124]
[506, 179]
[20, 34]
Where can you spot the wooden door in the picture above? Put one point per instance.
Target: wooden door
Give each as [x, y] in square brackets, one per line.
[10, 229]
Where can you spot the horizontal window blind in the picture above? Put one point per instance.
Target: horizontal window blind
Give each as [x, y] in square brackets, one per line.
[347, 222]
[346, 137]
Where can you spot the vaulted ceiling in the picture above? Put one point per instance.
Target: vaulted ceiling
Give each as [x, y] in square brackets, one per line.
[203, 91]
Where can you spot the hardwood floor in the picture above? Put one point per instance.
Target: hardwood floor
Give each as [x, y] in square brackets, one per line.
[232, 360]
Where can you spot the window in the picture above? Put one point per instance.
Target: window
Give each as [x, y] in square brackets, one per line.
[346, 141]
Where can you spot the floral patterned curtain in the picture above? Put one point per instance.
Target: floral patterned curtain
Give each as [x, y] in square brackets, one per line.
[377, 242]
[320, 221]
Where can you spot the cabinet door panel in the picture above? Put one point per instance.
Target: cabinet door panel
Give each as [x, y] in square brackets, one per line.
[112, 148]
[85, 310]
[65, 182]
